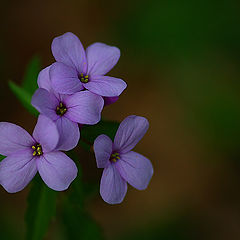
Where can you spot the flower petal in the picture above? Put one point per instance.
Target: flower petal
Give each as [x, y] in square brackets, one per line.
[130, 132]
[84, 107]
[46, 133]
[105, 86]
[103, 150]
[136, 169]
[110, 100]
[17, 170]
[57, 170]
[13, 138]
[46, 103]
[68, 49]
[101, 58]
[43, 79]
[113, 187]
[69, 134]
[64, 79]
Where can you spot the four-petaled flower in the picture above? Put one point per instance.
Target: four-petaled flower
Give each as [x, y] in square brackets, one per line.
[28, 154]
[75, 69]
[67, 111]
[121, 165]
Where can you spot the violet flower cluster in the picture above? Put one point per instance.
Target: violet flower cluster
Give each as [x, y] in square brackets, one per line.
[72, 91]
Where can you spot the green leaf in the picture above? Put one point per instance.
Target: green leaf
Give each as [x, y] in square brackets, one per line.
[31, 74]
[90, 133]
[25, 91]
[77, 223]
[24, 97]
[41, 209]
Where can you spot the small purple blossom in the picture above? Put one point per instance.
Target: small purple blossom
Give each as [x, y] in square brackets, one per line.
[67, 111]
[45, 82]
[76, 69]
[121, 165]
[27, 155]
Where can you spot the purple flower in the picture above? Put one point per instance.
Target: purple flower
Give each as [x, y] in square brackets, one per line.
[67, 111]
[77, 69]
[121, 165]
[45, 82]
[26, 155]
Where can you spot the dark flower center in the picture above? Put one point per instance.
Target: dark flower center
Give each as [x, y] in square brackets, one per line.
[61, 109]
[37, 149]
[83, 78]
[114, 157]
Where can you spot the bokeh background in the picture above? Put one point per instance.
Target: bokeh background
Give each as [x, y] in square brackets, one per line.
[181, 62]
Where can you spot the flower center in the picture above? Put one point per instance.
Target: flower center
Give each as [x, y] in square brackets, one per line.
[61, 109]
[114, 157]
[37, 150]
[83, 78]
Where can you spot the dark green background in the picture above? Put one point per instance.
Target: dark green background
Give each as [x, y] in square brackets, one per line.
[181, 60]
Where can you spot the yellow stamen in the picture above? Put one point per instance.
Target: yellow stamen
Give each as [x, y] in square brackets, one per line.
[61, 109]
[114, 157]
[83, 79]
[37, 150]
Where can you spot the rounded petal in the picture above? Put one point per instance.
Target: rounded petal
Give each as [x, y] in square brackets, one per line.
[57, 170]
[44, 79]
[113, 187]
[105, 86]
[84, 107]
[110, 100]
[17, 170]
[69, 134]
[101, 58]
[46, 133]
[68, 49]
[46, 103]
[103, 149]
[13, 138]
[130, 132]
[136, 169]
[64, 79]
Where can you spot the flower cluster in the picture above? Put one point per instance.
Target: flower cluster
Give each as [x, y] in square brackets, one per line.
[72, 91]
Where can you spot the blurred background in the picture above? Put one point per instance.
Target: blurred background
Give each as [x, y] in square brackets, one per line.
[181, 62]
